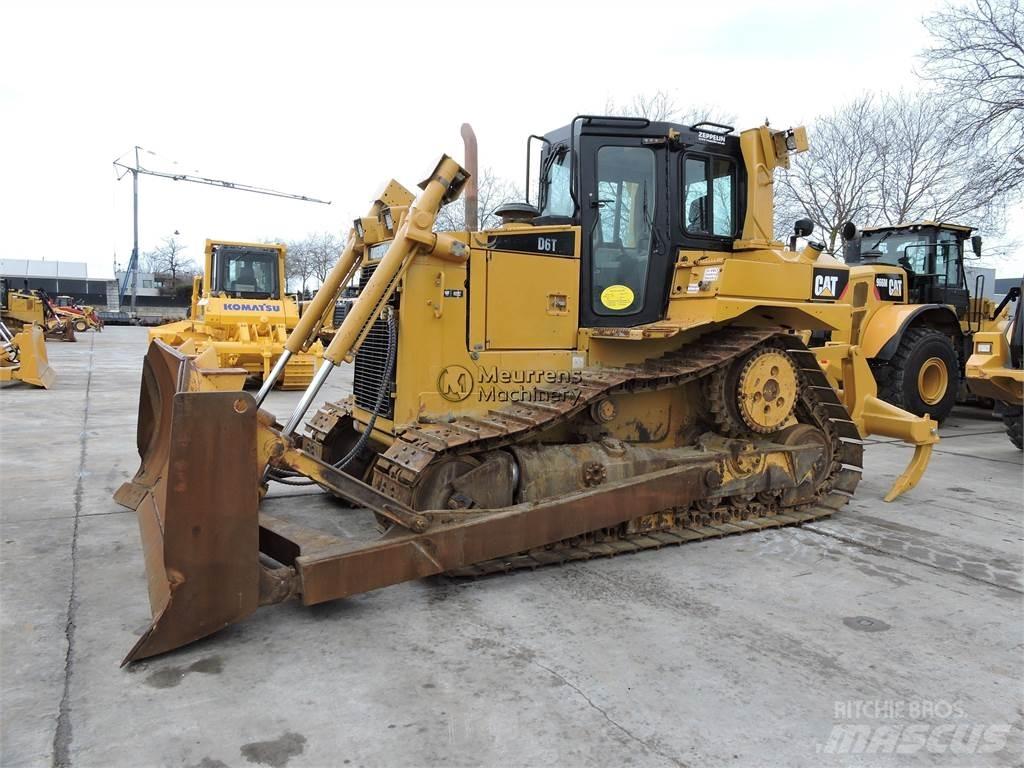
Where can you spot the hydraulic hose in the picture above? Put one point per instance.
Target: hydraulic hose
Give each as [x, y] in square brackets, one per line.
[385, 386]
[287, 477]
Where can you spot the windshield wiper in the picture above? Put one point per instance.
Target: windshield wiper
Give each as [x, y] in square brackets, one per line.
[649, 220]
[880, 240]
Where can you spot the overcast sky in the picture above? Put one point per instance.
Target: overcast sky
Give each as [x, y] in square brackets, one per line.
[331, 100]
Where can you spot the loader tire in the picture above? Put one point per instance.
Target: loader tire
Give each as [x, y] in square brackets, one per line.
[923, 376]
[81, 326]
[1015, 428]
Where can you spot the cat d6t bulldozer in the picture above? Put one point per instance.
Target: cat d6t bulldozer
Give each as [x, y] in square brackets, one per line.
[616, 367]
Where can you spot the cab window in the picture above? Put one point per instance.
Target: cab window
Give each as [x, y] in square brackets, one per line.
[709, 196]
[621, 237]
[557, 198]
[909, 251]
[946, 253]
[249, 273]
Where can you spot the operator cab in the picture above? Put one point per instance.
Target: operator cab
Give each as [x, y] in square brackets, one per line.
[245, 272]
[931, 253]
[640, 191]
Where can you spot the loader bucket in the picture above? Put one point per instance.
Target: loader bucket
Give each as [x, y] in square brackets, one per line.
[35, 366]
[196, 497]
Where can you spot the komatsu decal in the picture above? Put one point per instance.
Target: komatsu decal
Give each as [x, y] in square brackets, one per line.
[237, 307]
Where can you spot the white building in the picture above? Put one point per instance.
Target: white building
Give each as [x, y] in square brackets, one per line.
[149, 284]
[55, 277]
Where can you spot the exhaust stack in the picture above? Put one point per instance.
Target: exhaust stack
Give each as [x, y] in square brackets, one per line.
[472, 190]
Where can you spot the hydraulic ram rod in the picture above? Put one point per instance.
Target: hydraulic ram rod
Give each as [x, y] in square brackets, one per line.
[339, 275]
[415, 235]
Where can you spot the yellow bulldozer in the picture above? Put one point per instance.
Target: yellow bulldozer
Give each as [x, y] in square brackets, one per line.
[23, 357]
[922, 315]
[616, 368]
[995, 369]
[32, 306]
[240, 309]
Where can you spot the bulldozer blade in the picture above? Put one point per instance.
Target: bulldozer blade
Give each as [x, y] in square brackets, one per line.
[198, 510]
[34, 366]
[913, 473]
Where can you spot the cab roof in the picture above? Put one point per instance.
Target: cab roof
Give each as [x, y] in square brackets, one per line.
[916, 225]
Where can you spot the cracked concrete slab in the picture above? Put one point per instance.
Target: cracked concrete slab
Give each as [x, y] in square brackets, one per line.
[741, 651]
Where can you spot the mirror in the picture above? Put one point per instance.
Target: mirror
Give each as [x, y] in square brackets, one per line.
[849, 231]
[976, 245]
[803, 227]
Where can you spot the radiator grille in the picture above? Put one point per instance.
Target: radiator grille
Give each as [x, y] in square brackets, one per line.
[341, 312]
[366, 273]
[369, 370]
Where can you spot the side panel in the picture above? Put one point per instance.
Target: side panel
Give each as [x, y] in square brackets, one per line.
[531, 301]
[710, 289]
[440, 370]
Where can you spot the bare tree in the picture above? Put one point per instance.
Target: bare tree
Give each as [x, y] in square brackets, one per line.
[323, 250]
[887, 160]
[928, 168]
[492, 192]
[977, 61]
[170, 260]
[658, 106]
[662, 106]
[298, 263]
[151, 261]
[834, 182]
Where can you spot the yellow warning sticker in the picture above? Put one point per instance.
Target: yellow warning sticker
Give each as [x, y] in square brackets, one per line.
[617, 296]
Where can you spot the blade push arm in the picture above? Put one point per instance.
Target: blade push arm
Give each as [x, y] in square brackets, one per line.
[414, 236]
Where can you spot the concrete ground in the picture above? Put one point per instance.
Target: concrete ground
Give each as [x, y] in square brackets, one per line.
[888, 635]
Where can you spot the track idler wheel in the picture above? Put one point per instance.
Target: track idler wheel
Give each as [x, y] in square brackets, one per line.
[807, 434]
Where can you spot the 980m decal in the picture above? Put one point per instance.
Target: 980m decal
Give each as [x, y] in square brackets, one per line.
[828, 284]
[546, 243]
[890, 286]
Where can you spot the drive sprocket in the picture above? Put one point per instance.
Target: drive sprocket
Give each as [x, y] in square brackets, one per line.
[757, 393]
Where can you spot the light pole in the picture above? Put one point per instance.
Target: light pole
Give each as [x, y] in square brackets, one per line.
[134, 263]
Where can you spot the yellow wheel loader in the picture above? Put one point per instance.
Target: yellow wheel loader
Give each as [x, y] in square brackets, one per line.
[995, 369]
[35, 307]
[241, 310]
[617, 368]
[23, 357]
[921, 317]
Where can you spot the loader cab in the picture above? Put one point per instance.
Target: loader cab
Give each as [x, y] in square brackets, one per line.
[244, 271]
[640, 191]
[932, 255]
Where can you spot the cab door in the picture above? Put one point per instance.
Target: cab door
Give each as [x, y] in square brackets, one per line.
[625, 274]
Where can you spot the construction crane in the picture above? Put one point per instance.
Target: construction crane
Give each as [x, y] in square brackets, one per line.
[133, 272]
